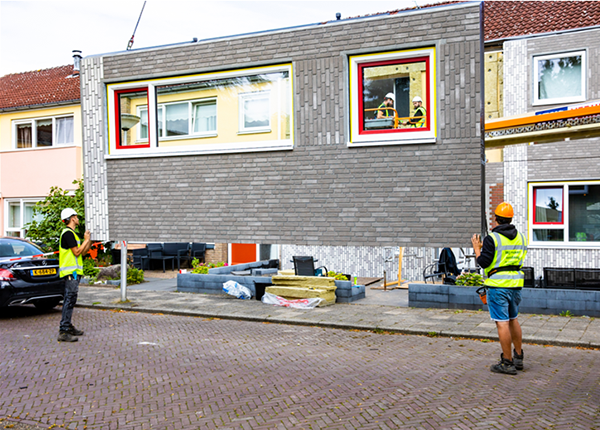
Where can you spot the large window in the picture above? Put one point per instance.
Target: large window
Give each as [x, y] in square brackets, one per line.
[565, 213]
[393, 97]
[43, 132]
[17, 214]
[236, 111]
[559, 78]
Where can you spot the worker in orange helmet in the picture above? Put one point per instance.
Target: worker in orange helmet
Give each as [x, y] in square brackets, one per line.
[501, 255]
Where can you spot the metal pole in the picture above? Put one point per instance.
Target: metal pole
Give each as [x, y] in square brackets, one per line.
[124, 271]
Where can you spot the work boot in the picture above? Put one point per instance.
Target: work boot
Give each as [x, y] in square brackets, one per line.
[504, 366]
[518, 359]
[63, 336]
[74, 332]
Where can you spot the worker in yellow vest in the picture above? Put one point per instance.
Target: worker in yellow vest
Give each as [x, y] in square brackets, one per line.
[501, 255]
[71, 252]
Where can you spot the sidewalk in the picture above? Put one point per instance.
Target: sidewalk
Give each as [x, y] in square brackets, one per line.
[381, 310]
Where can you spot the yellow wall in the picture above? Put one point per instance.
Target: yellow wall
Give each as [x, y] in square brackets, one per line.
[494, 84]
[228, 113]
[6, 138]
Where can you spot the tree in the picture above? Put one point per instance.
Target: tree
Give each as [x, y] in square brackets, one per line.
[48, 230]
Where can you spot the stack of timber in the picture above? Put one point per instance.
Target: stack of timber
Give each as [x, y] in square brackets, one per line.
[303, 287]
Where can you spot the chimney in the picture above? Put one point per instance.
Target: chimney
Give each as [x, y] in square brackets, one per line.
[76, 61]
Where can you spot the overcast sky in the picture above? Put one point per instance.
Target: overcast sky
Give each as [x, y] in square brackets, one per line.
[41, 34]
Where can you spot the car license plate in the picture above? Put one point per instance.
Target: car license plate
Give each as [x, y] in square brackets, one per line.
[43, 272]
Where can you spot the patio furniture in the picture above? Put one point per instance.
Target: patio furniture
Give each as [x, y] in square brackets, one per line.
[140, 259]
[177, 250]
[529, 277]
[572, 278]
[444, 269]
[155, 252]
[305, 266]
[198, 250]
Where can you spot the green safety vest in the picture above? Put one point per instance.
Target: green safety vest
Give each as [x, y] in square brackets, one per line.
[508, 253]
[420, 112]
[68, 263]
[382, 106]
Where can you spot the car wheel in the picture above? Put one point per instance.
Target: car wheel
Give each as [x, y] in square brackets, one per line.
[46, 304]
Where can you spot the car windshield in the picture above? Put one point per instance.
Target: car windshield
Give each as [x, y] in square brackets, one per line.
[17, 248]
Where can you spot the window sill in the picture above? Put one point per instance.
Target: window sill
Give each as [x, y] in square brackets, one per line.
[563, 245]
[412, 141]
[206, 149]
[257, 131]
[565, 100]
[41, 148]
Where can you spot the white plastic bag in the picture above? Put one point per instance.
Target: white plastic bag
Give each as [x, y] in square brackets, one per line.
[272, 299]
[234, 289]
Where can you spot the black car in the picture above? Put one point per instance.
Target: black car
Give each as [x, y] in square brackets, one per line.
[28, 277]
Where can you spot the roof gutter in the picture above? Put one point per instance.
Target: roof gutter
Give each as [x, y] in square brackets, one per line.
[40, 106]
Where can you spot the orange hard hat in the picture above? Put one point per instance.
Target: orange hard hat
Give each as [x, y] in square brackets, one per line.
[504, 210]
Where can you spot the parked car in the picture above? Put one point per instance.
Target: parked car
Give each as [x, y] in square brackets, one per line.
[28, 277]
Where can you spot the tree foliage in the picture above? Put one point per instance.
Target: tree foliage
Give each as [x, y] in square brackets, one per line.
[48, 230]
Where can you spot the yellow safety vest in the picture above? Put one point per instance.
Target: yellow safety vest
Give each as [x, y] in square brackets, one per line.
[420, 112]
[68, 263]
[508, 253]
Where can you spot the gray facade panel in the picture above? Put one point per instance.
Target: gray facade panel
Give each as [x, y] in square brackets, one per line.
[565, 160]
[321, 192]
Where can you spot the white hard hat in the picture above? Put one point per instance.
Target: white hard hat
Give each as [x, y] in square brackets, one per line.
[390, 96]
[417, 99]
[67, 213]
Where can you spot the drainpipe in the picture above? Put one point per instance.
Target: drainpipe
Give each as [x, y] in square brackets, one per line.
[124, 271]
[484, 228]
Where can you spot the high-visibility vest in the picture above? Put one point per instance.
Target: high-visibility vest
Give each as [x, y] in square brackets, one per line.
[67, 261]
[422, 113]
[387, 111]
[507, 253]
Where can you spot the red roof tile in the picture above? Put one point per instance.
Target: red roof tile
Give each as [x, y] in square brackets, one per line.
[503, 19]
[39, 87]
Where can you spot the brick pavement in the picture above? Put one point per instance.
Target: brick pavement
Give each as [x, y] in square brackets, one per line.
[141, 371]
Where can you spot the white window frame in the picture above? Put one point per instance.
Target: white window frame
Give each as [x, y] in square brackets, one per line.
[414, 136]
[32, 122]
[559, 100]
[153, 149]
[22, 203]
[256, 95]
[191, 119]
[566, 243]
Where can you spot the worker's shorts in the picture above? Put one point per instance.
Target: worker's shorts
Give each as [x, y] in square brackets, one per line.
[503, 303]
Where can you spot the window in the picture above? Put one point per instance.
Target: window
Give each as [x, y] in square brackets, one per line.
[392, 97]
[254, 112]
[18, 213]
[194, 118]
[565, 213]
[559, 78]
[233, 111]
[43, 132]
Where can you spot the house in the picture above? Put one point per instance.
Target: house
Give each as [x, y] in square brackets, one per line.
[272, 138]
[543, 125]
[40, 140]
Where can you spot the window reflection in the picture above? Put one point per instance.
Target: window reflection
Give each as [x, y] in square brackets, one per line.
[548, 205]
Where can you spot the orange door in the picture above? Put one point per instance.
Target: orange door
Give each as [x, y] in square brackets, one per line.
[243, 253]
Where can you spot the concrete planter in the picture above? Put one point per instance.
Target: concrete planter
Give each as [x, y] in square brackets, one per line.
[534, 300]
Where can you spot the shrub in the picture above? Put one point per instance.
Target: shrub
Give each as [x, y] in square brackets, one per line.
[89, 268]
[469, 279]
[202, 268]
[134, 276]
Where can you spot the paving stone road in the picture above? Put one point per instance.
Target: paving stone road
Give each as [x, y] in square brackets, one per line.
[152, 371]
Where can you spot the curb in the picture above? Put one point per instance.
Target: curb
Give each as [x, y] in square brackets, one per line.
[340, 326]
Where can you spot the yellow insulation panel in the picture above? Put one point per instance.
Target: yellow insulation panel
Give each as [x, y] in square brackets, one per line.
[292, 293]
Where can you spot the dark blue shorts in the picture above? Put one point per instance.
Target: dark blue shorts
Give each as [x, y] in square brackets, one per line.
[503, 303]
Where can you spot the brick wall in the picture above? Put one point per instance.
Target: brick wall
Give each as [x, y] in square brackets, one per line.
[216, 255]
[322, 192]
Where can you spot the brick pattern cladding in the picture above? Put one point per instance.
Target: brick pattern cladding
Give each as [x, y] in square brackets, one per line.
[321, 193]
[557, 161]
[515, 77]
[589, 39]
[94, 166]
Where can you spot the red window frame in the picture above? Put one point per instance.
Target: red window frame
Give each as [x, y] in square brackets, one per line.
[118, 118]
[361, 112]
[562, 204]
